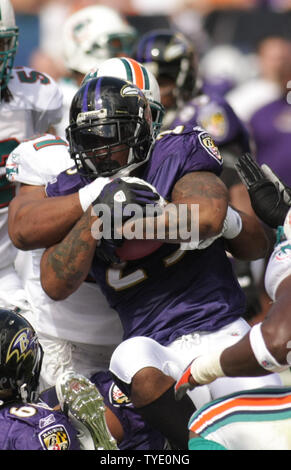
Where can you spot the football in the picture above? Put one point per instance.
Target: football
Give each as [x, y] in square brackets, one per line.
[136, 249]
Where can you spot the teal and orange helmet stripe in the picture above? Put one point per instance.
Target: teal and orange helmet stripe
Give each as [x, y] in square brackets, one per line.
[136, 73]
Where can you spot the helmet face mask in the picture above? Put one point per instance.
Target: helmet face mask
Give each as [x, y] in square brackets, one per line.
[117, 136]
[21, 358]
[158, 113]
[118, 44]
[8, 41]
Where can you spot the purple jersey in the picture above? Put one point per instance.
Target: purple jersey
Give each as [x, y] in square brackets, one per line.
[137, 434]
[270, 128]
[35, 427]
[171, 292]
[216, 116]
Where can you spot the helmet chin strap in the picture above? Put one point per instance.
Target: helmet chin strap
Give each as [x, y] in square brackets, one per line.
[23, 393]
[127, 170]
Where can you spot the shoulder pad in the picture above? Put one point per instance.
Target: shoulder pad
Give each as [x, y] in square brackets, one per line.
[37, 160]
[206, 141]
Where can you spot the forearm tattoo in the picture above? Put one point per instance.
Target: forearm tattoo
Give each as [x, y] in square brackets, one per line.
[71, 259]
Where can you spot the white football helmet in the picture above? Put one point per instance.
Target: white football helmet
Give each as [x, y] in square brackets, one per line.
[136, 73]
[8, 41]
[94, 34]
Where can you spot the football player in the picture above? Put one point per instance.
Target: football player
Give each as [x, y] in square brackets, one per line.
[173, 61]
[172, 58]
[30, 103]
[164, 318]
[26, 423]
[90, 36]
[33, 422]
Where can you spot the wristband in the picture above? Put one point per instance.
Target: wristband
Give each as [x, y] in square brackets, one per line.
[232, 224]
[261, 352]
[91, 191]
[207, 368]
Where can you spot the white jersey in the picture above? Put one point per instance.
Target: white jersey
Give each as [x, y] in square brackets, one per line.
[278, 268]
[36, 105]
[85, 317]
[279, 264]
[252, 420]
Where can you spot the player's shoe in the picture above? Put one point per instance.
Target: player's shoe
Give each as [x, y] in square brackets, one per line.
[182, 385]
[81, 401]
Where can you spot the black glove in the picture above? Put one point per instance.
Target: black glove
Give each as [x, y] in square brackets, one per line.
[117, 195]
[266, 198]
[120, 192]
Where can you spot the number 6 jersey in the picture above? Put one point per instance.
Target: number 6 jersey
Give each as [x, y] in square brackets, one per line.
[35, 427]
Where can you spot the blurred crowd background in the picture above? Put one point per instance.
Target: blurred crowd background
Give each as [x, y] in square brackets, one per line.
[241, 23]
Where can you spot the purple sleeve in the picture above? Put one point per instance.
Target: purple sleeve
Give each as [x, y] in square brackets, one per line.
[175, 155]
[67, 182]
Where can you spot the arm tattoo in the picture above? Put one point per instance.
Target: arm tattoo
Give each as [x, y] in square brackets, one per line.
[70, 260]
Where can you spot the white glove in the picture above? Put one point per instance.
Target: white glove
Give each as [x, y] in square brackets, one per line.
[89, 193]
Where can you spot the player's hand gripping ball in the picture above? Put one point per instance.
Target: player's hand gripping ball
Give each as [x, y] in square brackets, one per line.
[125, 191]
